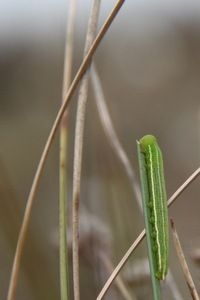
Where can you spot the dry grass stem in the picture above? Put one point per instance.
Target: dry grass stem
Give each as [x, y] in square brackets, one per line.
[34, 187]
[78, 148]
[67, 74]
[183, 263]
[111, 134]
[178, 192]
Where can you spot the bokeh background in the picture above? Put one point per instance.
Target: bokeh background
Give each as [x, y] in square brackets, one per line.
[149, 64]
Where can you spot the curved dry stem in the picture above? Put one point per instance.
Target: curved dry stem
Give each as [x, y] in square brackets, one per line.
[178, 192]
[111, 134]
[31, 197]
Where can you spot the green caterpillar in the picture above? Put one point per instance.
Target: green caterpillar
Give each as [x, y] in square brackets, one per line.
[157, 206]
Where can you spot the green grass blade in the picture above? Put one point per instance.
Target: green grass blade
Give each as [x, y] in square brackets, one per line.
[148, 226]
[64, 274]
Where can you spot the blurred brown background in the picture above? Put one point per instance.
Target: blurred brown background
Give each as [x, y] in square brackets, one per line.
[149, 66]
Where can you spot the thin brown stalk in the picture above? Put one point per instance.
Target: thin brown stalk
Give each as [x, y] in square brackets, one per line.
[124, 259]
[63, 253]
[116, 145]
[78, 148]
[111, 134]
[183, 263]
[34, 187]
